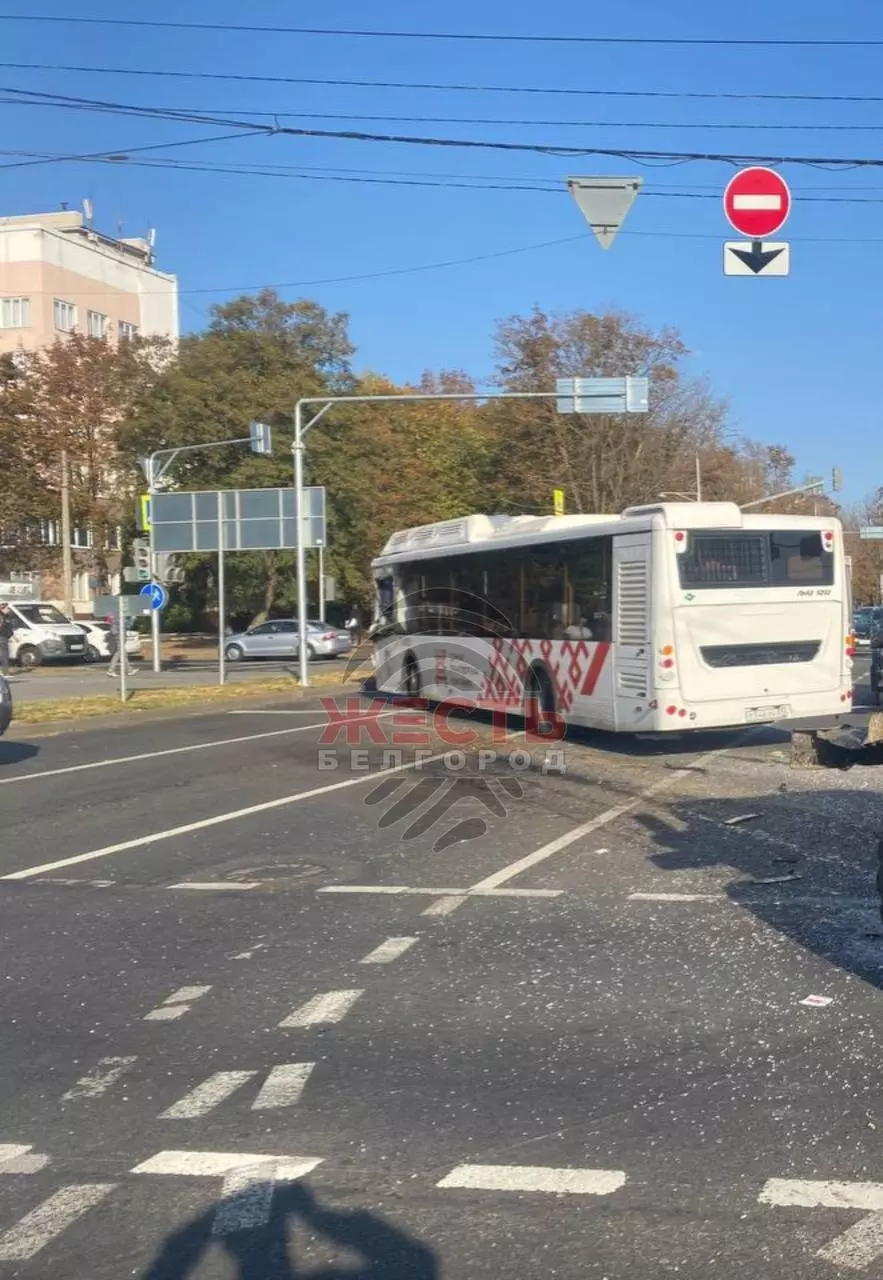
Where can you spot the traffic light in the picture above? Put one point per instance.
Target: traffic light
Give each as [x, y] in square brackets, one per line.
[260, 435]
[141, 556]
[836, 480]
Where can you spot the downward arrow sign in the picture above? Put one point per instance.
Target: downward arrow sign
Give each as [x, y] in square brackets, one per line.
[757, 258]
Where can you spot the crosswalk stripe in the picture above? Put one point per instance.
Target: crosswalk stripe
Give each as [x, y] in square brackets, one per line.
[217, 1164]
[283, 1086]
[208, 1095]
[12, 1150]
[533, 1177]
[97, 1081]
[37, 1228]
[388, 951]
[176, 1005]
[330, 1007]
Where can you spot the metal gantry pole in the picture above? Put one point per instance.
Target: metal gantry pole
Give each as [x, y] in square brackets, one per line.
[154, 613]
[298, 451]
[222, 657]
[321, 614]
[122, 656]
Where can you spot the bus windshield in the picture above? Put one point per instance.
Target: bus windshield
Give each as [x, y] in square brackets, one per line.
[786, 558]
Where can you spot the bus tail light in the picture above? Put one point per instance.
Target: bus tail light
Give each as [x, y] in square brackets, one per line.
[850, 646]
[828, 539]
[680, 542]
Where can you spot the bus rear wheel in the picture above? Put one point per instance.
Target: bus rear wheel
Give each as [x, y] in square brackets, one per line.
[411, 677]
[539, 701]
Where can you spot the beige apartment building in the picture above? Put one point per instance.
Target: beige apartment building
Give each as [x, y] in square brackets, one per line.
[57, 274]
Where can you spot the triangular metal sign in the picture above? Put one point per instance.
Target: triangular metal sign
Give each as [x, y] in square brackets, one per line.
[605, 203]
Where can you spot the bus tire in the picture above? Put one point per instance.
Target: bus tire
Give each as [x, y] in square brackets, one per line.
[539, 697]
[411, 676]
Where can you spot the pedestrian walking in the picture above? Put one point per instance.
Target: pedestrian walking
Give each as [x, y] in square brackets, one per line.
[8, 624]
[354, 625]
[116, 645]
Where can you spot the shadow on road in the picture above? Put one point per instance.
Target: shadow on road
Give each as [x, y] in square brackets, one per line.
[16, 752]
[806, 863]
[383, 1252]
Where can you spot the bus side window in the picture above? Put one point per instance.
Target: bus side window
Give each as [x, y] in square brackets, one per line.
[589, 564]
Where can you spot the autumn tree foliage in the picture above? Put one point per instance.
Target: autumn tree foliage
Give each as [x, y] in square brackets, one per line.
[385, 465]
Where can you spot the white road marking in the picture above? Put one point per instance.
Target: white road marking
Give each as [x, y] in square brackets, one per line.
[101, 1078]
[167, 751]
[76, 884]
[11, 1151]
[208, 1095]
[217, 1164]
[166, 1013]
[217, 884]
[677, 897]
[388, 951]
[278, 711]
[856, 1248]
[586, 828]
[283, 1086]
[176, 1005]
[533, 1177]
[813, 1194]
[475, 892]
[37, 1228]
[29, 1163]
[444, 906]
[246, 1200]
[232, 815]
[330, 1007]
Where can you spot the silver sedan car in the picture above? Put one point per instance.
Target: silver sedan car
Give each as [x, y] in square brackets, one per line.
[278, 639]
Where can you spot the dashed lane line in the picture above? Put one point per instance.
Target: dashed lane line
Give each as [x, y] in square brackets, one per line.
[232, 815]
[532, 1177]
[324, 1009]
[37, 1228]
[176, 1005]
[678, 897]
[388, 951]
[102, 1077]
[283, 1086]
[208, 1095]
[208, 886]
[218, 1164]
[420, 891]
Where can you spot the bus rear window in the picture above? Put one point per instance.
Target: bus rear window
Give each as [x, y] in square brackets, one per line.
[787, 558]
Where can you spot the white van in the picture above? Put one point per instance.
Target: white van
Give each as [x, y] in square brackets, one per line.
[43, 634]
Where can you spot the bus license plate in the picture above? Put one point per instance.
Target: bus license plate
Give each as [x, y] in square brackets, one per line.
[764, 715]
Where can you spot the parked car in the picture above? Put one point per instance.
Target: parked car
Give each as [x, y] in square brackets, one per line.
[5, 705]
[279, 639]
[97, 643]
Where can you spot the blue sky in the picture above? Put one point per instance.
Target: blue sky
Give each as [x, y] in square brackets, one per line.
[795, 358]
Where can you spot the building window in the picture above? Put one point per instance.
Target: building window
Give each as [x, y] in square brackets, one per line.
[65, 314]
[15, 313]
[128, 330]
[96, 323]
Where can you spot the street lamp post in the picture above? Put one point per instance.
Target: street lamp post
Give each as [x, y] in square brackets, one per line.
[573, 395]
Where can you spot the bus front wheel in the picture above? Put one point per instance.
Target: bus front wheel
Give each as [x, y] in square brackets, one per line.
[539, 699]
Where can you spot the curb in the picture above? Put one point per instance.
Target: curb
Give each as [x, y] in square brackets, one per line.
[126, 720]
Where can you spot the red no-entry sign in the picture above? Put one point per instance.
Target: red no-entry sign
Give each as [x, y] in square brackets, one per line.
[757, 202]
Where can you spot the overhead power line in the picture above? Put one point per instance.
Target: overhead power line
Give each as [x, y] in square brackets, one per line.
[325, 82]
[493, 37]
[641, 156]
[280, 114]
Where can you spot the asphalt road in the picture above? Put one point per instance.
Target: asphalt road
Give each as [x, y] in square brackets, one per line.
[266, 1020]
[79, 680]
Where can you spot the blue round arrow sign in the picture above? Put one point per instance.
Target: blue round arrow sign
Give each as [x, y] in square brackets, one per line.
[156, 593]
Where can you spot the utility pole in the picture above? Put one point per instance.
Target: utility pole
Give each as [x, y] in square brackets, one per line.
[698, 478]
[67, 565]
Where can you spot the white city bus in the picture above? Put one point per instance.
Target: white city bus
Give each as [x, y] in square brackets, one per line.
[667, 617]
